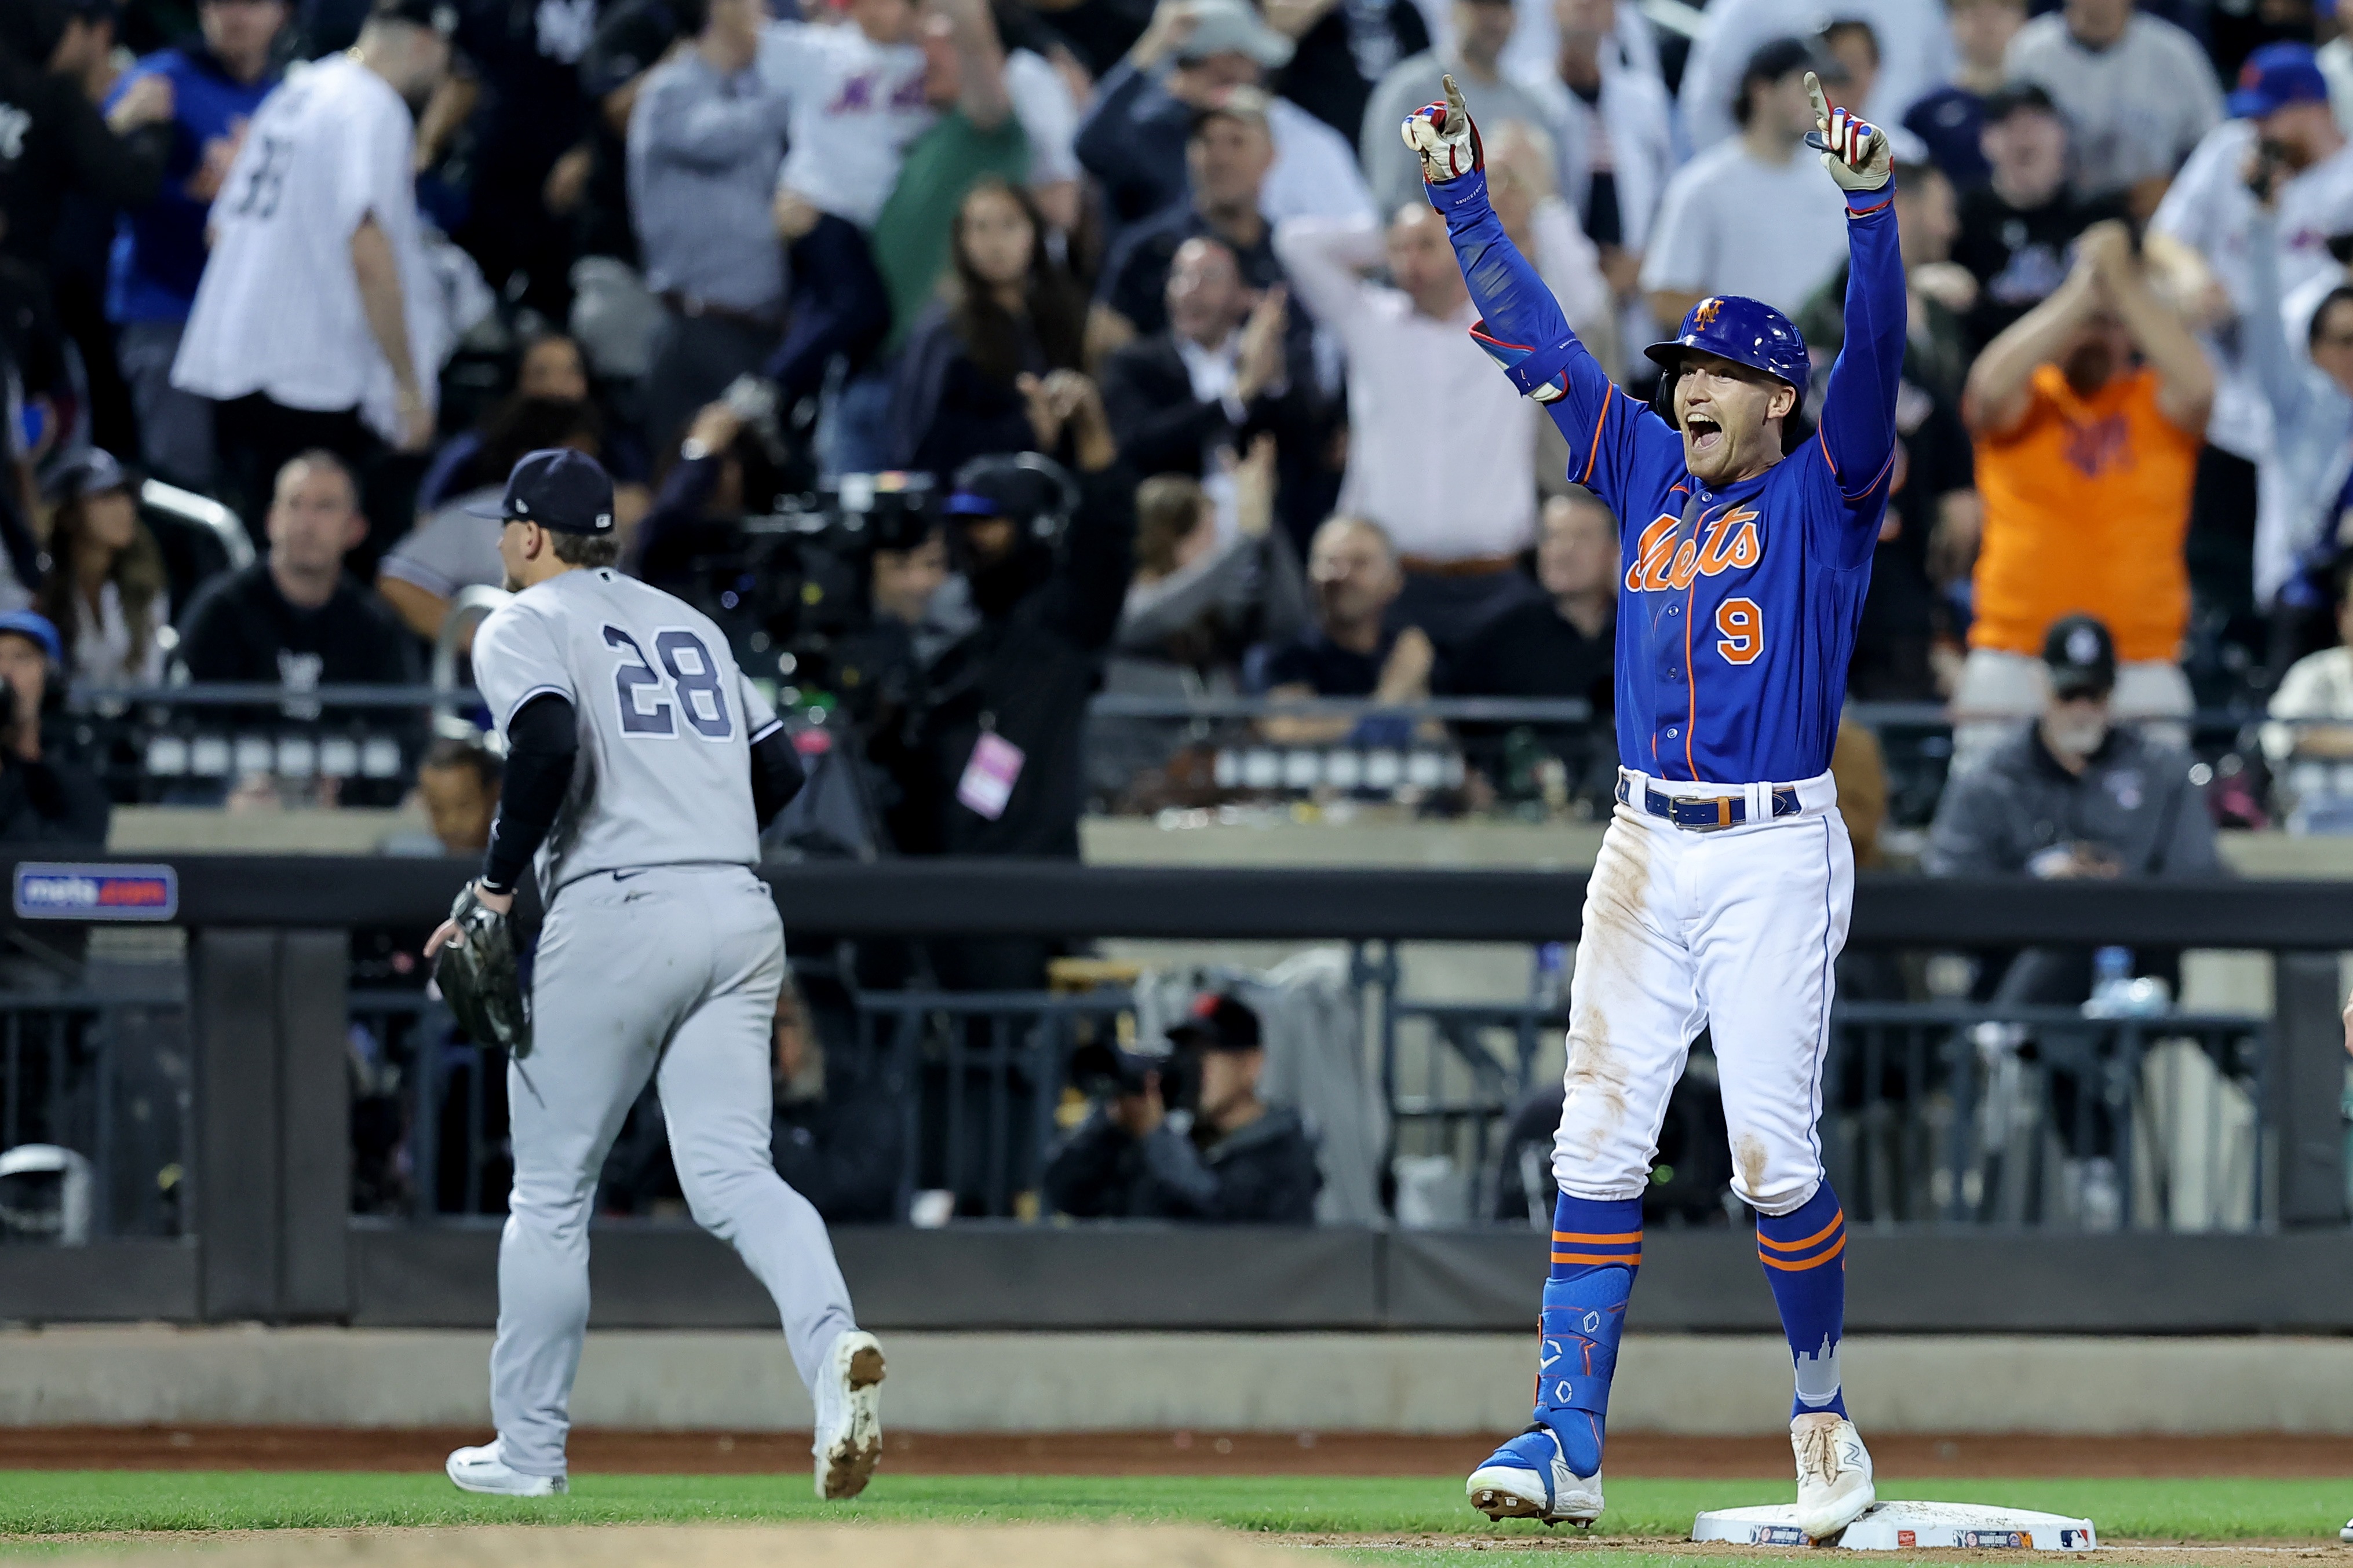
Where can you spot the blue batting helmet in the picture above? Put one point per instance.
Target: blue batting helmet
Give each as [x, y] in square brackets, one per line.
[1746, 331]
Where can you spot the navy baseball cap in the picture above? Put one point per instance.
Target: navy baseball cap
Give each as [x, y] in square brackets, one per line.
[34, 624]
[1218, 1023]
[560, 489]
[2080, 656]
[2274, 76]
[1743, 331]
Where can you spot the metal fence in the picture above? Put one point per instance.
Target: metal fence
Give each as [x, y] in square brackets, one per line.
[1937, 1113]
[104, 1079]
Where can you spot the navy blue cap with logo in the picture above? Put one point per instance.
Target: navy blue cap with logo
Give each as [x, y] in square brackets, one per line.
[557, 487]
[2274, 76]
[1743, 331]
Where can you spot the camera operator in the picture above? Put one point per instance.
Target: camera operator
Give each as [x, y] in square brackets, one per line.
[993, 759]
[43, 798]
[1228, 1156]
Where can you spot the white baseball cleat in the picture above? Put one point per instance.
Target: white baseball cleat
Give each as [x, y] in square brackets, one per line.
[483, 1470]
[849, 1415]
[1529, 1477]
[2346, 1534]
[1833, 1473]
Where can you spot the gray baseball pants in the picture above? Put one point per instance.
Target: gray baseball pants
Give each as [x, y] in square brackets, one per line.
[669, 971]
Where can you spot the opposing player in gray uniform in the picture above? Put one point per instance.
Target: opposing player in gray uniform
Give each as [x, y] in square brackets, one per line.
[640, 768]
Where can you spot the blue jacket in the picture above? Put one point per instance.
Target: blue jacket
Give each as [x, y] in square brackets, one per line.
[159, 248]
[1732, 649]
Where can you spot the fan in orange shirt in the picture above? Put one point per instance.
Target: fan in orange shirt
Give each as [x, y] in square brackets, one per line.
[2087, 414]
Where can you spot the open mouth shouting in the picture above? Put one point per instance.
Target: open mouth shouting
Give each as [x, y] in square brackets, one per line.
[1702, 433]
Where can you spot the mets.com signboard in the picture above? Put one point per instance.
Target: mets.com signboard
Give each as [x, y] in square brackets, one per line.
[47, 890]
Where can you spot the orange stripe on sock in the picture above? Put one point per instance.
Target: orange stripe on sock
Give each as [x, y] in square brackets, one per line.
[1770, 1262]
[1626, 1258]
[1837, 1220]
[1590, 1236]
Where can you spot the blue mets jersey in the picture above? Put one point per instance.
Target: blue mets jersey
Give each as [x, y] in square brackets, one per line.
[1737, 605]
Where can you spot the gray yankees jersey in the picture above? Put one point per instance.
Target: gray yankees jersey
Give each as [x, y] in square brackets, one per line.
[666, 720]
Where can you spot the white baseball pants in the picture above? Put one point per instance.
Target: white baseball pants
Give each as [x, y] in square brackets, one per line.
[669, 971]
[1736, 929]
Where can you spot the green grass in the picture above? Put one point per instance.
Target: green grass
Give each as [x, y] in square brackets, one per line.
[67, 1502]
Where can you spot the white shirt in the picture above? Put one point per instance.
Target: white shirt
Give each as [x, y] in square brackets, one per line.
[2134, 110]
[1631, 131]
[1049, 116]
[1315, 172]
[102, 648]
[2318, 686]
[1731, 225]
[2210, 209]
[1915, 54]
[856, 105]
[1442, 449]
[278, 311]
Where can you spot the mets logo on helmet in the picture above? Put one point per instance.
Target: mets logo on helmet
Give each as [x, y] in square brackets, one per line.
[1704, 314]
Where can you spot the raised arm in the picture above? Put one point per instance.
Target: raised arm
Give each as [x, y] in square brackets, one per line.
[1521, 324]
[2260, 330]
[1858, 418]
[2000, 385]
[2185, 380]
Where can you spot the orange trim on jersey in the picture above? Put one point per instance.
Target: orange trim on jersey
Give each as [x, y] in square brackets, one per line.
[1690, 680]
[1808, 1263]
[1821, 439]
[1583, 1235]
[1816, 1239]
[1593, 452]
[1629, 1258]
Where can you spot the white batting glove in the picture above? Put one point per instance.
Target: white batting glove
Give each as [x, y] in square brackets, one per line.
[1442, 136]
[1854, 151]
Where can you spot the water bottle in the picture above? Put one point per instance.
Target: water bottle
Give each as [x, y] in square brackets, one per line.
[2110, 981]
[1550, 990]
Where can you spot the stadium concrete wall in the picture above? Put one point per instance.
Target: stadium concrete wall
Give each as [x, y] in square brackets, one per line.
[1423, 1383]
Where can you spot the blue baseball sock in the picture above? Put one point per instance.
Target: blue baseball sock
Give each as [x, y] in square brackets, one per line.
[1597, 1246]
[1804, 1257]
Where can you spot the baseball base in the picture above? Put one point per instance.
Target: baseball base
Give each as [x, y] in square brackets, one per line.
[1904, 1526]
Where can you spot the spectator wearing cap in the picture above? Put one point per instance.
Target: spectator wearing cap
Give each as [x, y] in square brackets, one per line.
[2073, 792]
[2138, 91]
[218, 80]
[1951, 120]
[1916, 50]
[44, 798]
[1135, 137]
[1474, 59]
[706, 137]
[2086, 416]
[105, 591]
[2281, 133]
[295, 619]
[2018, 227]
[317, 324]
[1751, 213]
[1233, 1158]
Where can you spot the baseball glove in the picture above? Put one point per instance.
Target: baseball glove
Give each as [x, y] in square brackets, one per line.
[1854, 151]
[476, 971]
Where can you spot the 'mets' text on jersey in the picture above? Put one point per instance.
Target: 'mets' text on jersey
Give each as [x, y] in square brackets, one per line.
[1737, 605]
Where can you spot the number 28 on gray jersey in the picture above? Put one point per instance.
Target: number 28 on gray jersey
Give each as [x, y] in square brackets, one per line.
[666, 723]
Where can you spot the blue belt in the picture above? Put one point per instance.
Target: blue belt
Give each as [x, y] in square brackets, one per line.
[1707, 813]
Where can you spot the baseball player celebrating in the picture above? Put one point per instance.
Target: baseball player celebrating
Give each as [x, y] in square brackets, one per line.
[1720, 896]
[640, 767]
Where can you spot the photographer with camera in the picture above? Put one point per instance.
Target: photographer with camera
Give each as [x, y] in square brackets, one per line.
[1187, 1136]
[43, 798]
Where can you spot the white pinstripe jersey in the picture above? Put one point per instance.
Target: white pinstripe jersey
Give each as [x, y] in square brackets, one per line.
[667, 720]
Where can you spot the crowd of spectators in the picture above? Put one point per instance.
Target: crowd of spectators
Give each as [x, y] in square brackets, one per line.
[339, 263]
